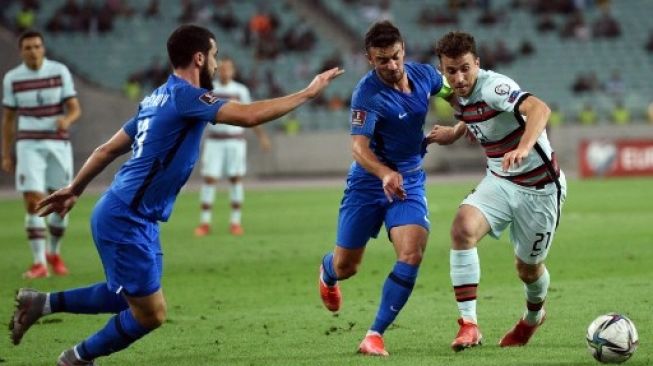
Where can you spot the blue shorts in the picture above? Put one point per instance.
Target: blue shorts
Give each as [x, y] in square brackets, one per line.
[129, 247]
[364, 209]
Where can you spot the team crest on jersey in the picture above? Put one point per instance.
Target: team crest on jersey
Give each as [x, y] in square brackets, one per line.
[502, 89]
[209, 98]
[513, 96]
[358, 117]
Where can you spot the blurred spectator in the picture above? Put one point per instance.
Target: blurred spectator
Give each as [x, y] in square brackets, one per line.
[615, 86]
[152, 10]
[606, 26]
[575, 27]
[332, 61]
[649, 43]
[132, 88]
[298, 37]
[488, 18]
[585, 83]
[587, 115]
[502, 53]
[526, 48]
[546, 23]
[557, 116]
[267, 46]
[156, 73]
[57, 23]
[336, 103]
[290, 124]
[486, 56]
[31, 4]
[225, 17]
[188, 12]
[25, 19]
[650, 112]
[620, 114]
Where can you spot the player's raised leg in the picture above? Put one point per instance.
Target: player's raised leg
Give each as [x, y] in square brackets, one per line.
[31, 305]
[409, 242]
[468, 228]
[144, 314]
[536, 284]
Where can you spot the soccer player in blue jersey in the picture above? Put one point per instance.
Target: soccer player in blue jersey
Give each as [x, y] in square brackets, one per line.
[164, 138]
[385, 184]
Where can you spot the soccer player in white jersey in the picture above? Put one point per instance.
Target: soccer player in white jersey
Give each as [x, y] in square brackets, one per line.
[39, 105]
[225, 153]
[523, 188]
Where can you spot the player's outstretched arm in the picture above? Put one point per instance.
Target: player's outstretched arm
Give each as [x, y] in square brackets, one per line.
[8, 132]
[446, 135]
[64, 199]
[256, 113]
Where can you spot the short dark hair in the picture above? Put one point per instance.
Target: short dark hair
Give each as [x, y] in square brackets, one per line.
[29, 34]
[455, 44]
[187, 40]
[382, 34]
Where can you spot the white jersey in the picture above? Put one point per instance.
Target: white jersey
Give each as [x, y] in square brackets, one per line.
[38, 97]
[491, 114]
[231, 91]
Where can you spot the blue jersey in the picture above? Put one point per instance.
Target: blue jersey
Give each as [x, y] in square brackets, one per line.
[393, 120]
[166, 134]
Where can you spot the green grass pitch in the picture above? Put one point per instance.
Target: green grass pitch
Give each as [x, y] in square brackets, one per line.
[253, 300]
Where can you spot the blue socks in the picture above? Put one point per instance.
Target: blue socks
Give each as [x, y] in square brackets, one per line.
[329, 274]
[94, 299]
[121, 331]
[396, 290]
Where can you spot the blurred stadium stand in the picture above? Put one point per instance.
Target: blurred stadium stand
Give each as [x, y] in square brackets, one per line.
[105, 60]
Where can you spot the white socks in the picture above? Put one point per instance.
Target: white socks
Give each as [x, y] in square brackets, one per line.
[465, 276]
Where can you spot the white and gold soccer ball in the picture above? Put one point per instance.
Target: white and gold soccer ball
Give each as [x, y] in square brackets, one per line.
[612, 338]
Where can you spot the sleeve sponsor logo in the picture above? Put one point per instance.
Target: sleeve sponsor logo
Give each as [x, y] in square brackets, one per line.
[502, 89]
[209, 98]
[513, 96]
[358, 117]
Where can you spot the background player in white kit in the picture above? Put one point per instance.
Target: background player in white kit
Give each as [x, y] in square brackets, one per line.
[40, 94]
[225, 153]
[523, 188]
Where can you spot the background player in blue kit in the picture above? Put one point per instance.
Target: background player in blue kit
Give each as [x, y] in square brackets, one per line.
[164, 138]
[385, 183]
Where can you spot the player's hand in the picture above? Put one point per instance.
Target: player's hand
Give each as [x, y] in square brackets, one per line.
[265, 143]
[513, 158]
[62, 125]
[61, 202]
[442, 135]
[322, 80]
[393, 186]
[7, 164]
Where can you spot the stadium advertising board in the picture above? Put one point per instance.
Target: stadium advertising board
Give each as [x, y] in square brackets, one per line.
[613, 158]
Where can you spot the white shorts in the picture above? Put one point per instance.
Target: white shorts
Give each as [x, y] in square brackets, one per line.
[532, 212]
[43, 165]
[224, 158]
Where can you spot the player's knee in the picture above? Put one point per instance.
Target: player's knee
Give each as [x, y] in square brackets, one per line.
[345, 270]
[462, 236]
[152, 317]
[413, 257]
[529, 273]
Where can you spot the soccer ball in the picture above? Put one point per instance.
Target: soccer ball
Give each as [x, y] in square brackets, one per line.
[612, 338]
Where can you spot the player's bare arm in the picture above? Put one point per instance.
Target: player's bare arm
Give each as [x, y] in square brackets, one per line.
[64, 199]
[537, 115]
[393, 182]
[73, 112]
[263, 138]
[256, 113]
[446, 135]
[8, 131]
